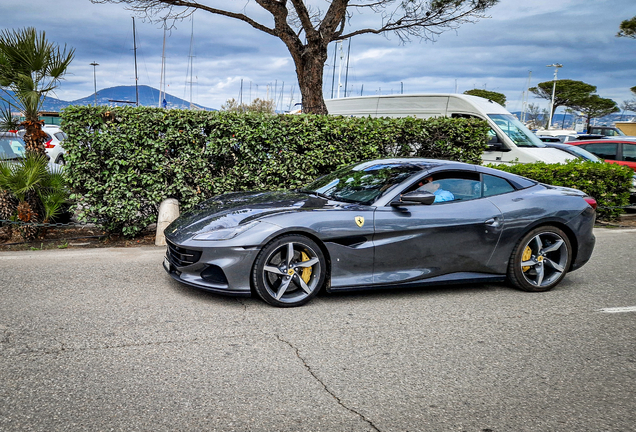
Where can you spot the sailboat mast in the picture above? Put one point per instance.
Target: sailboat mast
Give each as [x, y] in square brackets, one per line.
[163, 67]
[524, 101]
[191, 59]
[347, 71]
[135, 51]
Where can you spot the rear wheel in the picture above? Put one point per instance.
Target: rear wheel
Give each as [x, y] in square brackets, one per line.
[289, 271]
[540, 259]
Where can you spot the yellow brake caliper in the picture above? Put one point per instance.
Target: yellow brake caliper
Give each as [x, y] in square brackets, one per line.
[527, 254]
[307, 270]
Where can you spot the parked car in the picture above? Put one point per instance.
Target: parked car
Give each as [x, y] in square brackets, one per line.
[377, 224]
[54, 143]
[549, 139]
[577, 151]
[12, 147]
[606, 131]
[622, 152]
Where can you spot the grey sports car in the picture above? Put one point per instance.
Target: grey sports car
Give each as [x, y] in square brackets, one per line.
[384, 223]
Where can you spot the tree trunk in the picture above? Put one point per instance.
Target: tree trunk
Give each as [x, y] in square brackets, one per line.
[310, 64]
[34, 137]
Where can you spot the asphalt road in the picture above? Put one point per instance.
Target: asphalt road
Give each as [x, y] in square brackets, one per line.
[103, 339]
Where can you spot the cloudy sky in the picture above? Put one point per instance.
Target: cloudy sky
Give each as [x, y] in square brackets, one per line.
[496, 53]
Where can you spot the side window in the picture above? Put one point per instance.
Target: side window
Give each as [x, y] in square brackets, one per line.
[60, 136]
[629, 152]
[604, 151]
[495, 185]
[451, 186]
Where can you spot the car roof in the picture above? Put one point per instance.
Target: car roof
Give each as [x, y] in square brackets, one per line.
[602, 141]
[422, 163]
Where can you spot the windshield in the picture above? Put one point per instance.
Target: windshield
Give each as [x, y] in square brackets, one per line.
[362, 183]
[11, 147]
[516, 131]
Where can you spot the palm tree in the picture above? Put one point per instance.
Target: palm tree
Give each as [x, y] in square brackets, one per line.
[30, 67]
[37, 194]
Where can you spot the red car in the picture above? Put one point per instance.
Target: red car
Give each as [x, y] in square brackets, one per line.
[619, 151]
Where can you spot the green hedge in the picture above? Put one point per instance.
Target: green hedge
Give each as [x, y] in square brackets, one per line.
[609, 184]
[122, 162]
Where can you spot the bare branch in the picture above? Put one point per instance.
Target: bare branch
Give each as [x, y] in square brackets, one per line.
[152, 8]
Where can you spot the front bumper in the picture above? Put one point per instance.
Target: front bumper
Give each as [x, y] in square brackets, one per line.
[231, 268]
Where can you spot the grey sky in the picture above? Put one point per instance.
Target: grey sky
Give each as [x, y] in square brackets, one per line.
[494, 53]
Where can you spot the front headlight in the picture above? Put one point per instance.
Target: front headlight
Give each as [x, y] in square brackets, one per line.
[225, 233]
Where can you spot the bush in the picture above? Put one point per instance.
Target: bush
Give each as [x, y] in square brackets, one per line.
[609, 184]
[122, 162]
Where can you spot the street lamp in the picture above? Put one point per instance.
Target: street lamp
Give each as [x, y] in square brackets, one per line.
[556, 67]
[94, 64]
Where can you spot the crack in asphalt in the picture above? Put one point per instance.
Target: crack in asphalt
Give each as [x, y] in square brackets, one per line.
[331, 393]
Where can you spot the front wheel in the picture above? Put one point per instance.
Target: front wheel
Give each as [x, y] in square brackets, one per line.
[289, 271]
[540, 260]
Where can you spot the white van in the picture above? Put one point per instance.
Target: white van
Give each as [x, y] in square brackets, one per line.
[510, 141]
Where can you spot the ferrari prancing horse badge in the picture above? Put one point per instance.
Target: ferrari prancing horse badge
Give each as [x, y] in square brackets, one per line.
[359, 221]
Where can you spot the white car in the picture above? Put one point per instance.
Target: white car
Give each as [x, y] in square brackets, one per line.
[53, 144]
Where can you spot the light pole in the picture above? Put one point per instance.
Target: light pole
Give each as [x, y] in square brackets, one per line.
[95, 64]
[556, 67]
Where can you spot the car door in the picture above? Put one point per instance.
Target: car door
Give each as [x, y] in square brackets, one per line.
[418, 241]
[605, 151]
[629, 155]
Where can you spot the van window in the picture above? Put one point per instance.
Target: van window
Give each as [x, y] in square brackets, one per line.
[516, 131]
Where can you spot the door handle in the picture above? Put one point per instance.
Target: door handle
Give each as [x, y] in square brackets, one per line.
[492, 222]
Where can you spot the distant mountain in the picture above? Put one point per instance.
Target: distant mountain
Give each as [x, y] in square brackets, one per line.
[148, 96]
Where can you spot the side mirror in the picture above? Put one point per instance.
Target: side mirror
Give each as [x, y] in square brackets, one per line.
[497, 146]
[414, 197]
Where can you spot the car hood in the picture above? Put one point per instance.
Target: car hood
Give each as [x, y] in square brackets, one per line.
[233, 209]
[549, 155]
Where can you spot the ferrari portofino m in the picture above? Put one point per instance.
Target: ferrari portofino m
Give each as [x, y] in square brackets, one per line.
[383, 223]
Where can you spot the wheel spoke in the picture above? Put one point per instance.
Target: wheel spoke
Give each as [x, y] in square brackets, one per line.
[529, 263]
[537, 240]
[309, 263]
[283, 287]
[290, 254]
[553, 247]
[540, 274]
[303, 285]
[275, 270]
[554, 265]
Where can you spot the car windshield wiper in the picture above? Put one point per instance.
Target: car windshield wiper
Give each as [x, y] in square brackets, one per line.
[312, 192]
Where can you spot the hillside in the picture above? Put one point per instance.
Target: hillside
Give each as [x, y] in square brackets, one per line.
[148, 96]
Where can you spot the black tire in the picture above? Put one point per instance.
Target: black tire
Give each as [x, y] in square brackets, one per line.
[274, 270]
[548, 255]
[60, 160]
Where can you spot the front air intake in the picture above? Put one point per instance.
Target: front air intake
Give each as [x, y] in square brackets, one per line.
[181, 257]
